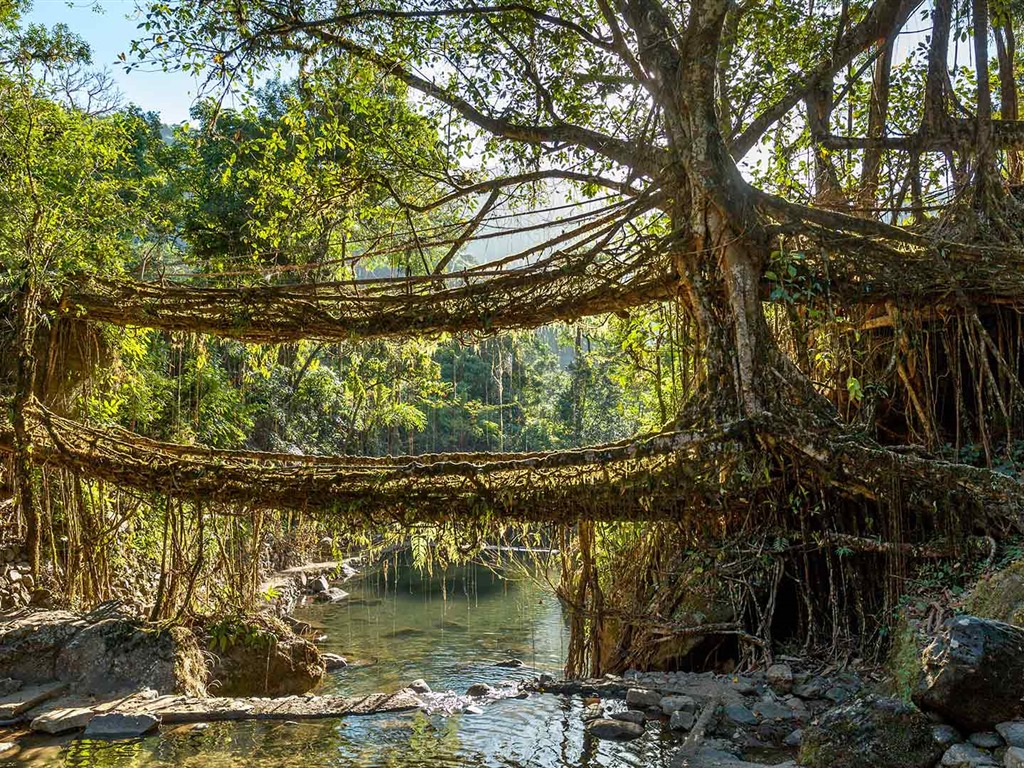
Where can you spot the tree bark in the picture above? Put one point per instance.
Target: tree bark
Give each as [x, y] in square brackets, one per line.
[26, 375]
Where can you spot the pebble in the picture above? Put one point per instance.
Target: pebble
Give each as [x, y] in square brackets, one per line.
[986, 740]
[642, 698]
[1012, 732]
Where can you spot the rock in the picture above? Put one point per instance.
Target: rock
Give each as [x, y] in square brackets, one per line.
[670, 704]
[770, 710]
[945, 735]
[13, 576]
[592, 712]
[333, 661]
[115, 725]
[62, 720]
[1014, 758]
[473, 709]
[795, 738]
[973, 673]
[965, 756]
[6, 745]
[478, 690]
[9, 685]
[318, 585]
[266, 659]
[614, 730]
[332, 595]
[681, 720]
[631, 716]
[28, 581]
[510, 664]
[1012, 732]
[739, 714]
[641, 698]
[986, 740]
[419, 686]
[872, 732]
[780, 678]
[838, 694]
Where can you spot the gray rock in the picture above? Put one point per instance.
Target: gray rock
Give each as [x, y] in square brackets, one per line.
[419, 686]
[1012, 732]
[13, 576]
[333, 661]
[473, 709]
[319, 584]
[62, 720]
[945, 735]
[1014, 758]
[812, 689]
[770, 710]
[986, 740]
[510, 664]
[479, 689]
[332, 595]
[795, 739]
[681, 720]
[973, 673]
[641, 698]
[9, 685]
[670, 704]
[780, 678]
[838, 694]
[872, 732]
[118, 726]
[740, 715]
[630, 716]
[965, 756]
[615, 730]
[592, 712]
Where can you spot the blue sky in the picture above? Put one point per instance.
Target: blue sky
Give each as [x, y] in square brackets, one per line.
[109, 33]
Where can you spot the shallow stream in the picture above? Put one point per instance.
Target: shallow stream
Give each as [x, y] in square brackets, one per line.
[450, 631]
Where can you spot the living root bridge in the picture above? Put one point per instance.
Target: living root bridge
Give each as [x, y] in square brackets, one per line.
[685, 476]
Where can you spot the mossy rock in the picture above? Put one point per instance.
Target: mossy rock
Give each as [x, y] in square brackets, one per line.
[872, 732]
[999, 596]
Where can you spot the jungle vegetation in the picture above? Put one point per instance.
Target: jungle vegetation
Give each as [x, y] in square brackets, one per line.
[718, 296]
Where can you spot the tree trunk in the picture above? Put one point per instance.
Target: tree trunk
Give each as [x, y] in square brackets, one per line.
[26, 375]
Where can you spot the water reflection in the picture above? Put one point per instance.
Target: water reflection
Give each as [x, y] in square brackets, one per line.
[448, 629]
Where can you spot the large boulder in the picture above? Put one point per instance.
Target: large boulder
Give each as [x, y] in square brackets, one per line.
[262, 656]
[973, 673]
[872, 732]
[98, 657]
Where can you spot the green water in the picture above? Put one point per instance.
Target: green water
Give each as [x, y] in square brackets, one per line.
[449, 631]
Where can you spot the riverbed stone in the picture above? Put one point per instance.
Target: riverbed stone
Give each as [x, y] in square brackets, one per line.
[739, 714]
[333, 661]
[945, 735]
[630, 716]
[332, 595]
[973, 673]
[681, 720]
[478, 690]
[116, 725]
[771, 710]
[614, 730]
[670, 704]
[986, 740]
[9, 685]
[780, 678]
[62, 720]
[871, 732]
[419, 686]
[1012, 732]
[1013, 757]
[794, 739]
[966, 756]
[642, 698]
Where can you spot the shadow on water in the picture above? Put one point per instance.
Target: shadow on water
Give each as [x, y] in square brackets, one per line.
[449, 629]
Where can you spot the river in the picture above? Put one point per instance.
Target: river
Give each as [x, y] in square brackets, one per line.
[400, 625]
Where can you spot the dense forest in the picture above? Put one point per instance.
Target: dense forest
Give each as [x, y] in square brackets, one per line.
[718, 298]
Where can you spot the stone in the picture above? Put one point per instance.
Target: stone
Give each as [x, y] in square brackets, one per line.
[473, 709]
[945, 735]
[62, 720]
[642, 698]
[13, 576]
[28, 581]
[333, 661]
[973, 673]
[6, 745]
[510, 664]
[614, 730]
[871, 732]
[592, 712]
[670, 704]
[681, 720]
[319, 584]
[116, 725]
[780, 678]
[332, 595]
[812, 689]
[986, 740]
[739, 714]
[966, 756]
[795, 738]
[631, 716]
[1014, 758]
[770, 710]
[419, 686]
[1012, 732]
[28, 697]
[271, 661]
[9, 685]
[478, 690]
